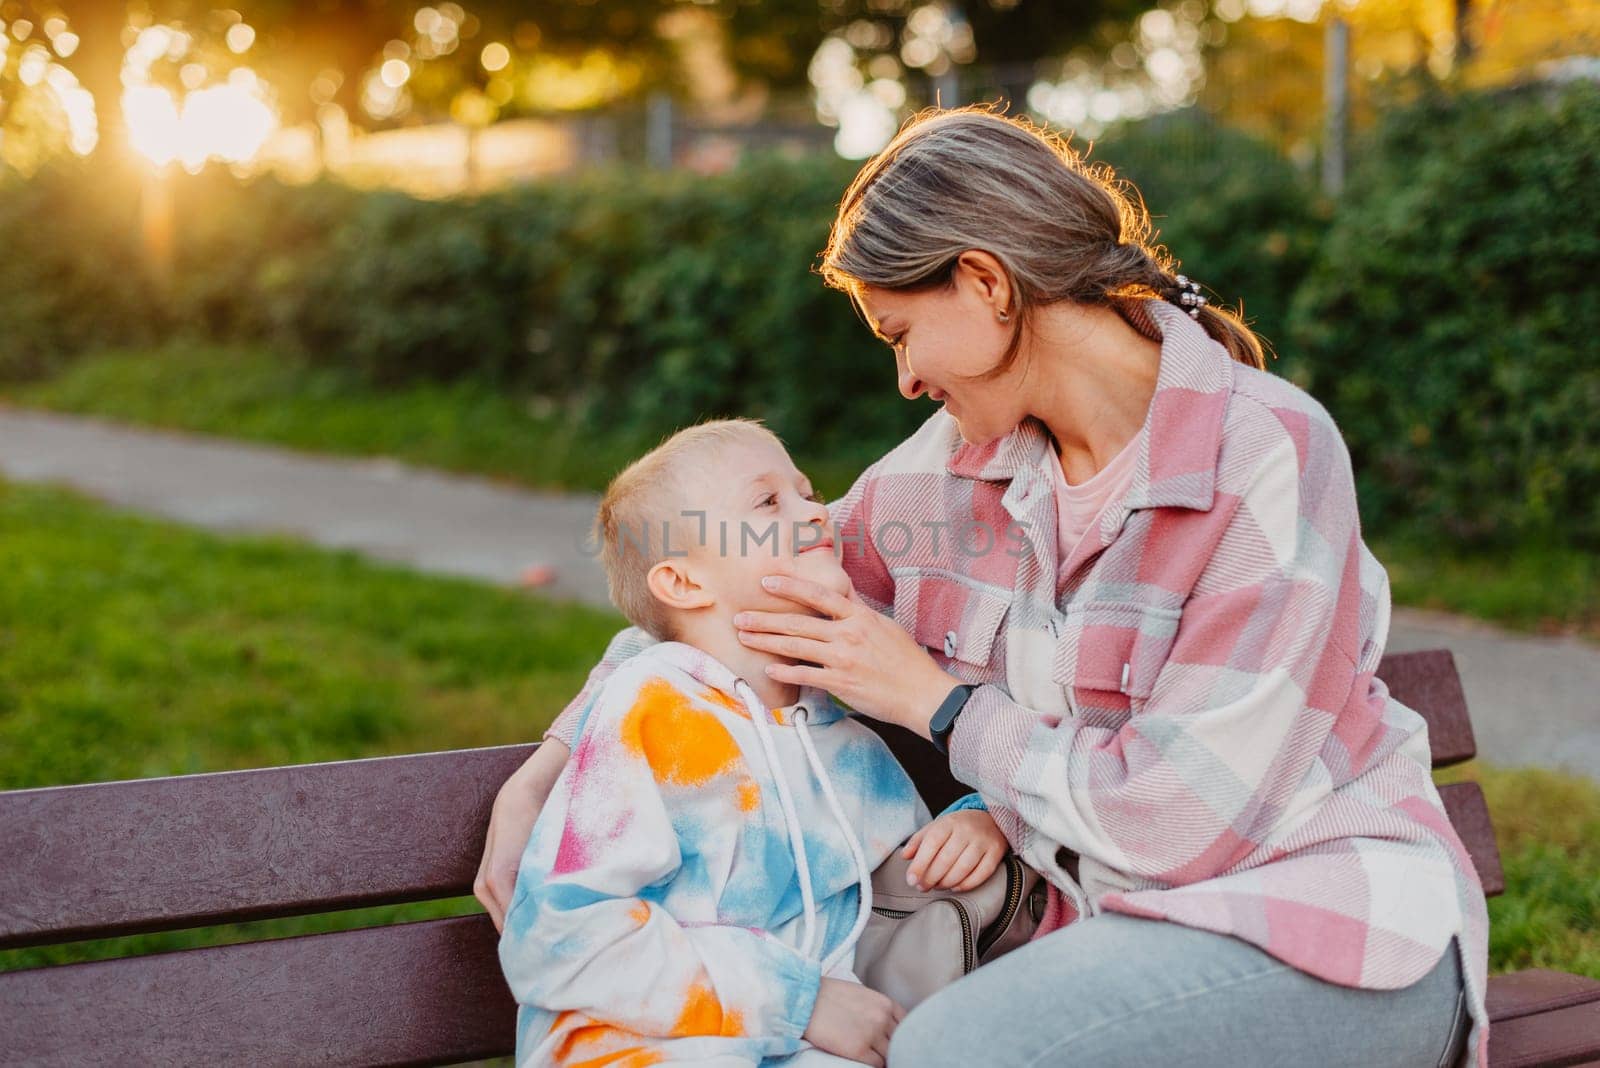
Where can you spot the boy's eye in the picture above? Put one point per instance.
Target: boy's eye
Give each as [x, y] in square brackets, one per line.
[817, 498]
[771, 498]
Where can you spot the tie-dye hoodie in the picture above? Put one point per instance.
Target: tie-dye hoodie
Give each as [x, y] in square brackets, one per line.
[701, 864]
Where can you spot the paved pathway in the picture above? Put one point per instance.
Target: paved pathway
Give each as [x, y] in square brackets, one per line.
[1534, 700]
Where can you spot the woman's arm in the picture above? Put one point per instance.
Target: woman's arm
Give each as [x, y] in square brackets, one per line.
[1223, 745]
[511, 820]
[1261, 684]
[517, 804]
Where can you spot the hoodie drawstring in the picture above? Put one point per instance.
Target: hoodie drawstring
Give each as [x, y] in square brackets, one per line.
[863, 874]
[797, 843]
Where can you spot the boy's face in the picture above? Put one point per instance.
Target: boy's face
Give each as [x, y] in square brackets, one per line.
[762, 518]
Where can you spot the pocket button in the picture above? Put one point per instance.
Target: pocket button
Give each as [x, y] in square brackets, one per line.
[950, 643]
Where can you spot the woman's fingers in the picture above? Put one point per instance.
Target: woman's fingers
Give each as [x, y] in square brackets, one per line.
[800, 675]
[486, 885]
[909, 850]
[487, 898]
[503, 881]
[783, 645]
[811, 594]
[792, 623]
[492, 888]
[511, 818]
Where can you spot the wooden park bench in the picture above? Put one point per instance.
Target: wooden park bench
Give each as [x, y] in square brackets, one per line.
[120, 858]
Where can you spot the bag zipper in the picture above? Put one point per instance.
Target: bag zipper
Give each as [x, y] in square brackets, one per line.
[1009, 911]
[969, 955]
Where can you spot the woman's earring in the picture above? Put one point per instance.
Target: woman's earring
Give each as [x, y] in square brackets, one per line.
[1005, 317]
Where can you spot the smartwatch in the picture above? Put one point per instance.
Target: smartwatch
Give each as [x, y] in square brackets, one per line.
[944, 718]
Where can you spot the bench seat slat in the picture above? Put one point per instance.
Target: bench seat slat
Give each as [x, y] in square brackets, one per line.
[420, 993]
[1538, 990]
[121, 858]
[1569, 1035]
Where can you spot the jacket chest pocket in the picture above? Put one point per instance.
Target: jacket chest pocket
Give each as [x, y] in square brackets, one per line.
[957, 622]
[1108, 655]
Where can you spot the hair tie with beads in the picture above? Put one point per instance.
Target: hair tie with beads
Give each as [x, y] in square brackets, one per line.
[1187, 296]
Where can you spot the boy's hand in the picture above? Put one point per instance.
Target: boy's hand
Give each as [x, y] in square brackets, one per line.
[957, 851]
[853, 1022]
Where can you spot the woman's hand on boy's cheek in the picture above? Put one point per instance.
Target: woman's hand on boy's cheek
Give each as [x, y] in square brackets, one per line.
[957, 851]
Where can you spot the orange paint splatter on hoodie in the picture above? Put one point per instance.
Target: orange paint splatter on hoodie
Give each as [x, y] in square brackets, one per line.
[703, 1015]
[626, 1058]
[684, 745]
[593, 1034]
[725, 700]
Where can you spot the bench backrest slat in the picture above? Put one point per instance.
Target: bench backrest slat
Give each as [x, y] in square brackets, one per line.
[1469, 815]
[145, 855]
[1428, 682]
[407, 994]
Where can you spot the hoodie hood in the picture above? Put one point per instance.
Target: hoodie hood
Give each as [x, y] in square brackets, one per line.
[821, 707]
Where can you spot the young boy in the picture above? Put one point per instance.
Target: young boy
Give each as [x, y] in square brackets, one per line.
[696, 882]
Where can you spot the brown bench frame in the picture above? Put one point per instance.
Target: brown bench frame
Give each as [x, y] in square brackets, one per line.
[122, 858]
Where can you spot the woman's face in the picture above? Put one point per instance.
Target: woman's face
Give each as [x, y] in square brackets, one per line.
[941, 335]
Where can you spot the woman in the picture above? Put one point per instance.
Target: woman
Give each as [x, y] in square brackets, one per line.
[1142, 553]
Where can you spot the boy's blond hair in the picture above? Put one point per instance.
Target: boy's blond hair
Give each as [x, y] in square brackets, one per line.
[650, 492]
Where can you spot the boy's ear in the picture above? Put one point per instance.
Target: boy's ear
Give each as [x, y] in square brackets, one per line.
[672, 584]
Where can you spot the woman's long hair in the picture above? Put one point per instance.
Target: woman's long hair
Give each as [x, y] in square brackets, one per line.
[971, 178]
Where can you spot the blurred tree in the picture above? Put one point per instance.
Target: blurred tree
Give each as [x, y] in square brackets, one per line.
[1265, 72]
[343, 42]
[44, 111]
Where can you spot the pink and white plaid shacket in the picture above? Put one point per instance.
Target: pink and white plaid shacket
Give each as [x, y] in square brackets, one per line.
[1187, 706]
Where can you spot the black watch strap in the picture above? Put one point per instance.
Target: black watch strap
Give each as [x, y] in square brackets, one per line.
[944, 717]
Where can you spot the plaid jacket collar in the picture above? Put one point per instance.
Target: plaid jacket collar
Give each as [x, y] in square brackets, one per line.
[1182, 433]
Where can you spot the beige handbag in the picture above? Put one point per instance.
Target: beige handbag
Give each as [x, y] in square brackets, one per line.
[917, 942]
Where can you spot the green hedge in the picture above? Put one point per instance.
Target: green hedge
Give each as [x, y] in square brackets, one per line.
[1453, 318]
[1447, 314]
[1236, 215]
[637, 301]
[71, 278]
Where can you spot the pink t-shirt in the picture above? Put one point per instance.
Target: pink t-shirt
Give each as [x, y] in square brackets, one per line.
[1078, 507]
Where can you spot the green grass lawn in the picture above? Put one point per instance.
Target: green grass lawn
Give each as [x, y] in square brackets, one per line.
[249, 393]
[1548, 827]
[253, 394]
[132, 648]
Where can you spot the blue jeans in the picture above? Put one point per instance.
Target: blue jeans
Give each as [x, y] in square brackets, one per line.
[1115, 991]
